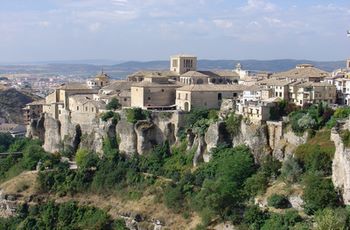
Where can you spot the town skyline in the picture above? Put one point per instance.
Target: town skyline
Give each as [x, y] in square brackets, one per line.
[125, 30]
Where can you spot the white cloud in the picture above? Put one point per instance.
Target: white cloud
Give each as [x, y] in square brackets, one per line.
[223, 23]
[94, 27]
[259, 5]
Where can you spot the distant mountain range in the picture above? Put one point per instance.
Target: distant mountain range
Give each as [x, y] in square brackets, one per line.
[120, 70]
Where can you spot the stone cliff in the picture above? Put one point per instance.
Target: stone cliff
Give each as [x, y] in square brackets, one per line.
[140, 138]
[341, 162]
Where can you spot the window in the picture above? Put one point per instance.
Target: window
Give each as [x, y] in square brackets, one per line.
[86, 108]
[234, 94]
[162, 90]
[78, 108]
[92, 109]
[280, 94]
[219, 96]
[149, 98]
[125, 99]
[178, 96]
[186, 98]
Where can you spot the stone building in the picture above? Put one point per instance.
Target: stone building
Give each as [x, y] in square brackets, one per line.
[33, 111]
[99, 81]
[209, 77]
[303, 72]
[59, 99]
[120, 89]
[147, 95]
[205, 96]
[181, 64]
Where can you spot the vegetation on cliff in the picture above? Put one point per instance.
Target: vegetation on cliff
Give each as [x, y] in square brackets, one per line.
[61, 216]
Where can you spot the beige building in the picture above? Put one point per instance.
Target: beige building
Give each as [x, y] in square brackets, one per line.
[99, 81]
[148, 95]
[312, 92]
[209, 77]
[303, 72]
[120, 89]
[33, 111]
[205, 96]
[84, 109]
[257, 111]
[279, 88]
[181, 64]
[59, 99]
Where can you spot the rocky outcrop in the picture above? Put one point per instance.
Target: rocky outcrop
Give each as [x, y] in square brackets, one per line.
[36, 129]
[255, 136]
[341, 163]
[282, 140]
[52, 137]
[148, 136]
[216, 135]
[126, 136]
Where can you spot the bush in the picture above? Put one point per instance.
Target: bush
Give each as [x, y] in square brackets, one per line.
[136, 114]
[173, 197]
[256, 184]
[254, 217]
[319, 193]
[113, 104]
[282, 222]
[291, 170]
[233, 124]
[278, 201]
[5, 141]
[332, 219]
[345, 136]
[110, 114]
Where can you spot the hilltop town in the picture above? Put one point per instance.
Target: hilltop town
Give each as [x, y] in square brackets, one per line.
[184, 87]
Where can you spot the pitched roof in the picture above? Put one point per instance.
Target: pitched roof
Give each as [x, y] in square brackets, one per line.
[302, 71]
[150, 74]
[215, 88]
[74, 86]
[219, 73]
[118, 85]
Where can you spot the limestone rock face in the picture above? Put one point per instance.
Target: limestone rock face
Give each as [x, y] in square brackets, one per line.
[341, 165]
[36, 129]
[148, 136]
[283, 143]
[127, 137]
[215, 136]
[52, 137]
[201, 146]
[255, 137]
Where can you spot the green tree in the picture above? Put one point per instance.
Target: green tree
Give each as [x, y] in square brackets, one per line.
[319, 193]
[291, 170]
[337, 219]
[113, 104]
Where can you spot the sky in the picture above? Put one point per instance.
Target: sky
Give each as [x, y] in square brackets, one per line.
[121, 30]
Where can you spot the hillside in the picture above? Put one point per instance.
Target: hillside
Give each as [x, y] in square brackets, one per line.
[122, 69]
[11, 103]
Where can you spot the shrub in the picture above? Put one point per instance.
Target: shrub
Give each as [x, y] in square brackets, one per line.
[254, 217]
[291, 170]
[110, 114]
[332, 219]
[233, 124]
[256, 184]
[113, 104]
[345, 136]
[278, 201]
[173, 197]
[194, 115]
[136, 114]
[319, 193]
